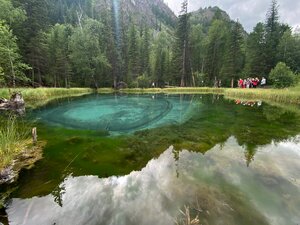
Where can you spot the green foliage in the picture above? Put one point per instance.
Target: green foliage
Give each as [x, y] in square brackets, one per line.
[255, 54]
[86, 55]
[234, 55]
[133, 65]
[11, 63]
[161, 58]
[83, 43]
[57, 41]
[1, 77]
[289, 50]
[215, 46]
[197, 43]
[282, 76]
[10, 14]
[143, 81]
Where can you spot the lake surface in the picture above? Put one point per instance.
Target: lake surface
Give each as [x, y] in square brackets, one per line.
[150, 159]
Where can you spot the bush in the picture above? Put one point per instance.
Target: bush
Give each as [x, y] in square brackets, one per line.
[143, 81]
[282, 76]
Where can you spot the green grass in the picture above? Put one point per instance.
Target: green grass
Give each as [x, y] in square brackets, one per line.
[14, 138]
[288, 95]
[35, 97]
[291, 96]
[40, 96]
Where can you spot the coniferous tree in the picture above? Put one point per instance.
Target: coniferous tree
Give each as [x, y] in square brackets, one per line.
[28, 33]
[161, 59]
[197, 48]
[132, 54]
[181, 60]
[145, 51]
[58, 55]
[255, 52]
[215, 46]
[272, 36]
[234, 55]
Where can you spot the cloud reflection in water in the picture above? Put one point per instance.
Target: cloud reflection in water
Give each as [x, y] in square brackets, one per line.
[269, 188]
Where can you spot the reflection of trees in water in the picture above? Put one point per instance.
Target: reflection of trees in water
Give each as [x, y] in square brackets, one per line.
[216, 120]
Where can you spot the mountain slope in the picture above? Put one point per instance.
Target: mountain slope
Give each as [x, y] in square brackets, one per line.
[205, 17]
[150, 12]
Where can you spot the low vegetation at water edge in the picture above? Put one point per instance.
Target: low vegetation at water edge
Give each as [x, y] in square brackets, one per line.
[14, 138]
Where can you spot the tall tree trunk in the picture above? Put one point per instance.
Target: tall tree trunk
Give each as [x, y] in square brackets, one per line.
[182, 83]
[12, 70]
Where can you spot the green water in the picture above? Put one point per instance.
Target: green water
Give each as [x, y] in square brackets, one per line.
[140, 159]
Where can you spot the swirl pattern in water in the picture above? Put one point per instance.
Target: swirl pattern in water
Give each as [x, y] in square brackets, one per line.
[118, 114]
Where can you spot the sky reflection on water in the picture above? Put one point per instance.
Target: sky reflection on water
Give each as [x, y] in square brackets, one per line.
[226, 190]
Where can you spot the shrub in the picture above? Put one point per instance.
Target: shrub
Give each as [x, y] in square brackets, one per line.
[143, 81]
[282, 76]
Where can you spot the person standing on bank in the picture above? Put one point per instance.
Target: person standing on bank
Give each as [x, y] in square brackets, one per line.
[263, 82]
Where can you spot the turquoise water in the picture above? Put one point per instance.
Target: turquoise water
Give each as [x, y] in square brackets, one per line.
[118, 114]
[156, 156]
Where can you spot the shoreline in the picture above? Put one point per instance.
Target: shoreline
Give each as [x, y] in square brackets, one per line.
[35, 97]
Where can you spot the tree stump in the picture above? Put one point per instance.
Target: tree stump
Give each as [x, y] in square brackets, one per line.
[16, 103]
[34, 135]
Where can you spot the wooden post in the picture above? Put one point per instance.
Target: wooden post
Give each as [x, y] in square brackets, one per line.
[34, 135]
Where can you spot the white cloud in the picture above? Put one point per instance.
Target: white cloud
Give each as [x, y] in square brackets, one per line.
[248, 12]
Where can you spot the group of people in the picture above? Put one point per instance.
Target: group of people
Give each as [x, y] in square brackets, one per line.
[251, 82]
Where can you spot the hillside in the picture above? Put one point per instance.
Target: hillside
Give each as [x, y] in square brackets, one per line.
[150, 12]
[205, 16]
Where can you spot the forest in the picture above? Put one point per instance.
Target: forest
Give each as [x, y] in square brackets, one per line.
[99, 43]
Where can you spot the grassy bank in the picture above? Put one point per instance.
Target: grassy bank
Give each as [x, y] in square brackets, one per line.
[14, 138]
[14, 135]
[38, 96]
[291, 96]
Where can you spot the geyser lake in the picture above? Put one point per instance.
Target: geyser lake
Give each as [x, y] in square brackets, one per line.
[142, 159]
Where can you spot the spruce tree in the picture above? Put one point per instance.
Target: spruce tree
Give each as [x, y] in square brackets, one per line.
[215, 48]
[234, 55]
[133, 65]
[181, 60]
[272, 36]
[255, 52]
